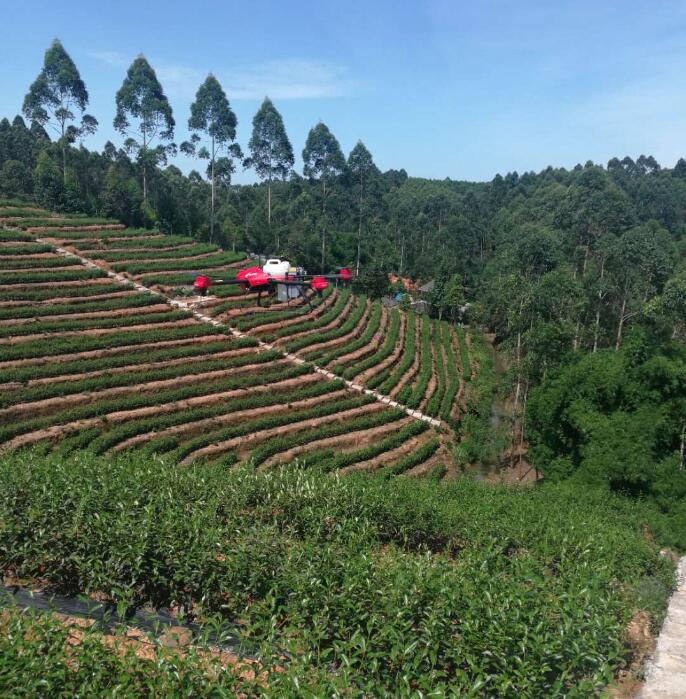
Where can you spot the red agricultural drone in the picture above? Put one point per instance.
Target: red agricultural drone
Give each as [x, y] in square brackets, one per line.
[276, 277]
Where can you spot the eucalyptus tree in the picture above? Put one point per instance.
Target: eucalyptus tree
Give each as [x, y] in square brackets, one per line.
[144, 110]
[211, 114]
[271, 153]
[361, 168]
[55, 97]
[641, 265]
[672, 304]
[323, 161]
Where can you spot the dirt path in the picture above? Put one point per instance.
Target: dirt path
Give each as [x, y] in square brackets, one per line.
[41, 270]
[268, 327]
[58, 431]
[28, 286]
[114, 313]
[323, 329]
[247, 442]
[72, 299]
[151, 260]
[109, 351]
[414, 368]
[93, 252]
[191, 428]
[433, 381]
[390, 456]
[329, 344]
[70, 242]
[356, 439]
[392, 358]
[71, 229]
[370, 347]
[94, 332]
[46, 405]
[132, 368]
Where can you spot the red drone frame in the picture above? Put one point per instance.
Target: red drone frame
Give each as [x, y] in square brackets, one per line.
[262, 280]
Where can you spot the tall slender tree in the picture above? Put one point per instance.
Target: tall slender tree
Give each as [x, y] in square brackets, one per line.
[271, 153]
[54, 97]
[361, 167]
[141, 99]
[212, 115]
[324, 161]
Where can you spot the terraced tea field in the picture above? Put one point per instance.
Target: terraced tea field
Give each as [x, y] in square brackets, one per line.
[335, 586]
[102, 346]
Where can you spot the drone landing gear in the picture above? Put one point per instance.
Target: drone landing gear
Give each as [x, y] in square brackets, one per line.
[305, 298]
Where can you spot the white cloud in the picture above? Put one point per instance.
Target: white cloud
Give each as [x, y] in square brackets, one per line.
[112, 58]
[284, 79]
[290, 78]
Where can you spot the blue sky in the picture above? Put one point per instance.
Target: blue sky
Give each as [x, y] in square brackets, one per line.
[442, 88]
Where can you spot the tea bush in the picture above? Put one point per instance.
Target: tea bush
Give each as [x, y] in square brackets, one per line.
[355, 586]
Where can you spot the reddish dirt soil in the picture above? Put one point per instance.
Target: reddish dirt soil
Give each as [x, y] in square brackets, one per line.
[433, 381]
[393, 455]
[40, 407]
[139, 367]
[323, 329]
[114, 313]
[135, 259]
[391, 359]
[43, 270]
[369, 348]
[93, 332]
[58, 431]
[30, 256]
[354, 440]
[94, 252]
[244, 444]
[268, 327]
[123, 349]
[44, 285]
[67, 229]
[189, 429]
[410, 374]
[330, 344]
[71, 299]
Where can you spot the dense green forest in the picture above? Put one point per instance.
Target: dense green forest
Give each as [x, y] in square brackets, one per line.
[580, 274]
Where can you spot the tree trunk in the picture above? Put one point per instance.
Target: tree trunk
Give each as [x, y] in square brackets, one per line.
[323, 224]
[620, 327]
[586, 259]
[359, 227]
[212, 195]
[521, 423]
[64, 156]
[596, 330]
[519, 374]
[402, 254]
[145, 184]
[597, 314]
[145, 173]
[682, 450]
